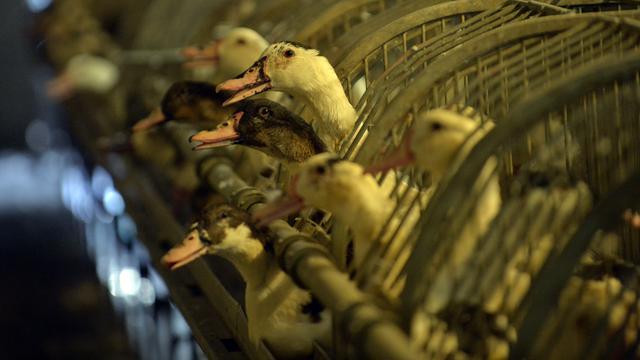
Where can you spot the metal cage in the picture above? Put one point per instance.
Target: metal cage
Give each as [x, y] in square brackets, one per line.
[593, 150]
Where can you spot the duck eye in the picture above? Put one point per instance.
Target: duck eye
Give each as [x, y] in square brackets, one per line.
[320, 169]
[264, 111]
[436, 126]
[225, 124]
[223, 215]
[289, 53]
[241, 41]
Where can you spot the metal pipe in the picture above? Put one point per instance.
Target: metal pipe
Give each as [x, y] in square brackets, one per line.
[311, 266]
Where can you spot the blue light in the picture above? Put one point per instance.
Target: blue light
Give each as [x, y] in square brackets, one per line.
[113, 202]
[100, 181]
[38, 5]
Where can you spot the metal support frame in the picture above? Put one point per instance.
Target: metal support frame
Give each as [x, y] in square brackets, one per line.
[311, 266]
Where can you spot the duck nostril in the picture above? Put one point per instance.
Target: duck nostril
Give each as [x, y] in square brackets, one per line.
[320, 170]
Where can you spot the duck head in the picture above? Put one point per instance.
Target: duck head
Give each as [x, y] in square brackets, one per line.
[286, 66]
[192, 102]
[324, 181]
[433, 142]
[84, 72]
[222, 230]
[266, 126]
[231, 54]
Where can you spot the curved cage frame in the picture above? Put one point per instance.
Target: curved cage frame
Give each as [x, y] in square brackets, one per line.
[488, 46]
[584, 89]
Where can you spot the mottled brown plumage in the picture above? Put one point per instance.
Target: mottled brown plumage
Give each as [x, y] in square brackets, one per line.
[268, 127]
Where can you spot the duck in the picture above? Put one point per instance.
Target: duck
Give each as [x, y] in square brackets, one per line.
[266, 126]
[84, 73]
[193, 102]
[306, 75]
[437, 140]
[341, 187]
[279, 313]
[196, 104]
[462, 330]
[230, 54]
[599, 297]
[198, 101]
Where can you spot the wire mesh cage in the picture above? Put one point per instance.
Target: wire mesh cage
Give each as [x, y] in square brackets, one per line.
[526, 51]
[549, 195]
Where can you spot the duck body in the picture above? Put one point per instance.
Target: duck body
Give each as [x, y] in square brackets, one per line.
[277, 310]
[268, 127]
[343, 188]
[307, 76]
[438, 139]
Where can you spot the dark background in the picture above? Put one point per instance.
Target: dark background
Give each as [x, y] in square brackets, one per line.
[52, 306]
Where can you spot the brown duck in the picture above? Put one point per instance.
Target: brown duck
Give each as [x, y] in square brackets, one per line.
[193, 102]
[266, 126]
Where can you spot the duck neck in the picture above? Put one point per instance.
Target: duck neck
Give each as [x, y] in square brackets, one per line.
[331, 112]
[252, 262]
[365, 215]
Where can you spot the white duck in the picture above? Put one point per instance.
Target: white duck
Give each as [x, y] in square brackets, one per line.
[307, 76]
[342, 187]
[277, 310]
[438, 139]
[84, 72]
[230, 54]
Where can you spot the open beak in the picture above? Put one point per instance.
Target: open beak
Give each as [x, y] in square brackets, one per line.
[154, 119]
[285, 206]
[402, 156]
[225, 134]
[190, 249]
[195, 57]
[251, 82]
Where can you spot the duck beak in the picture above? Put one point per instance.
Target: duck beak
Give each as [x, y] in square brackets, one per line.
[190, 249]
[402, 156]
[154, 119]
[225, 134]
[251, 82]
[285, 206]
[195, 57]
[60, 88]
[277, 209]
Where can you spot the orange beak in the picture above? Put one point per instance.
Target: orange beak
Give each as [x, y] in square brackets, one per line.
[225, 134]
[251, 82]
[402, 156]
[195, 57]
[155, 118]
[190, 249]
[287, 205]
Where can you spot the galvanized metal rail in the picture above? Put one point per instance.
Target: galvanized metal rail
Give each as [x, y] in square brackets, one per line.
[311, 266]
